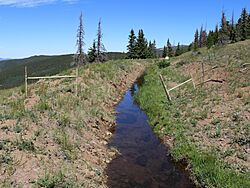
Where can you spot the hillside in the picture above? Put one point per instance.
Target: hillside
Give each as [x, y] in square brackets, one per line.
[207, 126]
[12, 71]
[55, 139]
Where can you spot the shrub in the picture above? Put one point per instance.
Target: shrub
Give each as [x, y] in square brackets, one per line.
[163, 64]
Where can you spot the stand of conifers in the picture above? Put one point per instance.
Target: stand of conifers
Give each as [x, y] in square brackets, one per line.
[26, 77]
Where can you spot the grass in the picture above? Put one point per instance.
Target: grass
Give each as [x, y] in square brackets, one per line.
[54, 180]
[56, 128]
[186, 118]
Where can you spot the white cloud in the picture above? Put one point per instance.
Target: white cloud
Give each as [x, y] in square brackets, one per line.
[31, 3]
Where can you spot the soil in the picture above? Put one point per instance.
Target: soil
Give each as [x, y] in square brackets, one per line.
[90, 155]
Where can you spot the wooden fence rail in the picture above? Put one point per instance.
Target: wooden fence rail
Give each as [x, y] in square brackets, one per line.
[167, 91]
[48, 77]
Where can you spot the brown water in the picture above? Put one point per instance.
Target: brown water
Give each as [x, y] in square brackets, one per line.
[144, 161]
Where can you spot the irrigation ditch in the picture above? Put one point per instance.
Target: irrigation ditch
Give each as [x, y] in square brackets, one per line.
[144, 161]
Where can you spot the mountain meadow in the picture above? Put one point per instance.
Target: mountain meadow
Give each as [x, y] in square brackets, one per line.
[150, 117]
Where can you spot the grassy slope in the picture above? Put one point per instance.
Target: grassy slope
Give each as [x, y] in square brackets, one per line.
[12, 71]
[208, 126]
[54, 138]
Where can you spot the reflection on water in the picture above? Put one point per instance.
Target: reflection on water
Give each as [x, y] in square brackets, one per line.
[144, 162]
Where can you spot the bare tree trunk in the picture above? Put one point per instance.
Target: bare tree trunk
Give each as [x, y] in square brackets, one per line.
[79, 56]
[99, 42]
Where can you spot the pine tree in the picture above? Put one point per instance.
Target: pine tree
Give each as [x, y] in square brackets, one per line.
[204, 38]
[224, 31]
[243, 24]
[79, 57]
[131, 45]
[200, 37]
[169, 49]
[154, 49]
[196, 40]
[216, 35]
[248, 26]
[210, 39]
[92, 53]
[165, 52]
[100, 50]
[150, 53]
[141, 46]
[178, 50]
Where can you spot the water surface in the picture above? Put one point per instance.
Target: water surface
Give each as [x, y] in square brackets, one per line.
[144, 161]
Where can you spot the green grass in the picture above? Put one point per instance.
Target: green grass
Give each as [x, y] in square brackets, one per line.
[55, 180]
[165, 119]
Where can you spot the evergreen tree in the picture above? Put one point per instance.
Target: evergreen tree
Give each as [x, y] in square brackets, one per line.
[196, 40]
[141, 46]
[150, 53]
[243, 24]
[178, 50]
[165, 52]
[204, 38]
[131, 45]
[200, 37]
[216, 35]
[79, 57]
[169, 49]
[210, 39]
[248, 26]
[92, 53]
[154, 49]
[224, 31]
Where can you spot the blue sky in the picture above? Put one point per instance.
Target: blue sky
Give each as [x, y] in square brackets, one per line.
[36, 27]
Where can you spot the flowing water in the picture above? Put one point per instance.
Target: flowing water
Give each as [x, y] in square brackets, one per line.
[144, 161]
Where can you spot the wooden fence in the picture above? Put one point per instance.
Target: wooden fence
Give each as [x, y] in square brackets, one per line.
[49, 77]
[167, 91]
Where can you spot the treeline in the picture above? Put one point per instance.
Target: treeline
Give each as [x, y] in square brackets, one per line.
[229, 31]
[171, 51]
[139, 48]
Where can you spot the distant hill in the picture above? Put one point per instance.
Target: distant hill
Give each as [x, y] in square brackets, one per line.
[12, 71]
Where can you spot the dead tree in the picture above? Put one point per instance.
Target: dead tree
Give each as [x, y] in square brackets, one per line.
[101, 55]
[79, 57]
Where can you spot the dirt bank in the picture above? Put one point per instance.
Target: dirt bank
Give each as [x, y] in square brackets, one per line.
[56, 138]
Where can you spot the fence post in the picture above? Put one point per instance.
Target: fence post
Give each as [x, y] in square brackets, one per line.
[26, 81]
[77, 73]
[192, 80]
[165, 88]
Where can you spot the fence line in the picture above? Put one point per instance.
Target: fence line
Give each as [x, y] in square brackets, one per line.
[48, 77]
[167, 91]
